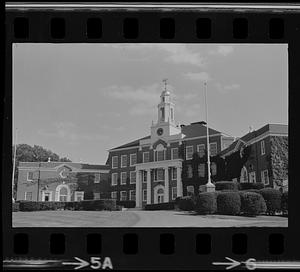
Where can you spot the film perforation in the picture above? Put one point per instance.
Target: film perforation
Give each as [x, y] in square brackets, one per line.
[57, 243]
[276, 243]
[203, 243]
[239, 243]
[94, 28]
[94, 243]
[130, 243]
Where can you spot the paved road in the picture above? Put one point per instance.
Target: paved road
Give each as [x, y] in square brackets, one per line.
[138, 218]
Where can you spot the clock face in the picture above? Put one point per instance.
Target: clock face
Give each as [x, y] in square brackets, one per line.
[160, 131]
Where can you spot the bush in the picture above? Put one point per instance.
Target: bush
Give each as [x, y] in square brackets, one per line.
[272, 198]
[247, 186]
[206, 203]
[187, 203]
[284, 202]
[98, 205]
[160, 206]
[228, 203]
[227, 185]
[126, 204]
[252, 203]
[28, 206]
[15, 207]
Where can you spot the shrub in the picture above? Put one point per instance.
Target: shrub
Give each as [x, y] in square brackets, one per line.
[28, 206]
[272, 198]
[160, 206]
[126, 204]
[247, 186]
[98, 205]
[251, 190]
[227, 185]
[228, 203]
[252, 203]
[15, 207]
[284, 202]
[206, 203]
[187, 203]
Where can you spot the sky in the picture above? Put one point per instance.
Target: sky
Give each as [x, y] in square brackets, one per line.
[80, 100]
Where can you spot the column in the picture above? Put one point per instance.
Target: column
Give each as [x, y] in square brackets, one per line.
[179, 182]
[149, 186]
[138, 190]
[166, 184]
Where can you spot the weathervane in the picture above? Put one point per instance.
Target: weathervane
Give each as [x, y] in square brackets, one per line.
[166, 82]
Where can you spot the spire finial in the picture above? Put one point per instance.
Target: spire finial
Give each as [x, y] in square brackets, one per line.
[165, 80]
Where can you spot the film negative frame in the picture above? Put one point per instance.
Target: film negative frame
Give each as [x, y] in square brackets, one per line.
[152, 248]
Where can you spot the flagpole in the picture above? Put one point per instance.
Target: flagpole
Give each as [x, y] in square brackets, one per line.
[14, 166]
[207, 138]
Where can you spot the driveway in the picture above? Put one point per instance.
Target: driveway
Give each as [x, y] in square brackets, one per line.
[139, 218]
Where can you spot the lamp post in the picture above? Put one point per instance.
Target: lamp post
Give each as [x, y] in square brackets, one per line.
[38, 183]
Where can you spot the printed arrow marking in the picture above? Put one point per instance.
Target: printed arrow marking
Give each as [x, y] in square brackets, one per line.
[81, 263]
[232, 264]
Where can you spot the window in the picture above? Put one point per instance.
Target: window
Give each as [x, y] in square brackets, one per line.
[172, 115]
[96, 195]
[115, 162]
[252, 177]
[144, 173]
[132, 159]
[173, 173]
[123, 178]
[114, 179]
[160, 155]
[28, 195]
[189, 150]
[190, 190]
[265, 177]
[79, 196]
[162, 110]
[123, 195]
[114, 195]
[201, 150]
[174, 153]
[213, 149]
[201, 170]
[145, 195]
[189, 171]
[159, 174]
[132, 195]
[30, 176]
[124, 161]
[213, 168]
[146, 157]
[174, 192]
[262, 147]
[132, 177]
[97, 178]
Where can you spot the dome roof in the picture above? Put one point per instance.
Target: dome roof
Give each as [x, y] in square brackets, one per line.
[165, 92]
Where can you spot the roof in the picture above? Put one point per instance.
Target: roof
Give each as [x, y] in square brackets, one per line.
[271, 128]
[78, 165]
[190, 131]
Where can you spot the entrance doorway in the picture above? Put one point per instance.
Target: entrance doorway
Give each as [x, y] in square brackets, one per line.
[159, 194]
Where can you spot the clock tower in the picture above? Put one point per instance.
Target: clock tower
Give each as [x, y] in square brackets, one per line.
[165, 126]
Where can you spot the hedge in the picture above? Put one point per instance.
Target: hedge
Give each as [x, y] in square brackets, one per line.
[126, 204]
[227, 185]
[187, 203]
[247, 186]
[160, 206]
[252, 203]
[284, 202]
[272, 198]
[98, 205]
[206, 203]
[228, 203]
[15, 207]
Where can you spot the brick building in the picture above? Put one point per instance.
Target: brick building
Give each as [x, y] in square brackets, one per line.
[149, 169]
[61, 181]
[268, 160]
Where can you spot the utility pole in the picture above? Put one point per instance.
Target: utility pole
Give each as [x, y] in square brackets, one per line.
[38, 183]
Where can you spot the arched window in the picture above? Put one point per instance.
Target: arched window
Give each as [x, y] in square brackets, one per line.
[162, 114]
[63, 194]
[160, 191]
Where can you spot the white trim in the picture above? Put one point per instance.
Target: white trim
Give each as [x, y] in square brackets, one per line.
[186, 157]
[112, 179]
[78, 193]
[43, 195]
[130, 177]
[172, 157]
[25, 196]
[201, 137]
[121, 195]
[199, 149]
[121, 178]
[112, 162]
[28, 175]
[123, 156]
[263, 177]
[156, 188]
[250, 180]
[130, 159]
[173, 170]
[114, 193]
[263, 136]
[144, 156]
[124, 148]
[97, 181]
[130, 193]
[210, 144]
[174, 189]
[57, 192]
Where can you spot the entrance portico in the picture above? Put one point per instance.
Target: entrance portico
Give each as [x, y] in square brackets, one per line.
[158, 189]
